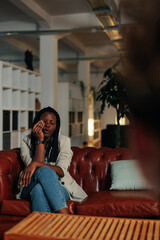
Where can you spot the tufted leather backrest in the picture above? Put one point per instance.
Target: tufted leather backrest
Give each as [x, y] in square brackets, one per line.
[89, 167]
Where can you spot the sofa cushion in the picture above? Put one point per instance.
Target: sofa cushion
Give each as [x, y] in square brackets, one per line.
[120, 204]
[20, 207]
[126, 175]
[16, 207]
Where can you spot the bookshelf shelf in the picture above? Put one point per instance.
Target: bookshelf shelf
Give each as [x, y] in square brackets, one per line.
[20, 88]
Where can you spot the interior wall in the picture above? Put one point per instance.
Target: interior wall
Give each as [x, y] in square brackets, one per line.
[95, 79]
[66, 77]
[108, 117]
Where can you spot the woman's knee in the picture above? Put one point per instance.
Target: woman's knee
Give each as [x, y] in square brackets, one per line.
[45, 172]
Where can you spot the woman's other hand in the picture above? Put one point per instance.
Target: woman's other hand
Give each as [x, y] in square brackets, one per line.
[37, 130]
[25, 177]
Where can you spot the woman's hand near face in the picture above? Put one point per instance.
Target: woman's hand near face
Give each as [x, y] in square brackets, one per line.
[37, 130]
[25, 177]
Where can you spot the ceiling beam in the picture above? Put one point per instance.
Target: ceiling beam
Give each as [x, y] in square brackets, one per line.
[88, 58]
[35, 11]
[68, 67]
[74, 43]
[20, 44]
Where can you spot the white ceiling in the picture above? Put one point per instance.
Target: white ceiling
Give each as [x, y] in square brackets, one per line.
[82, 34]
[63, 7]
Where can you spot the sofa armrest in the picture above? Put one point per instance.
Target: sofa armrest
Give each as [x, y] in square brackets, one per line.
[10, 168]
[16, 207]
[72, 205]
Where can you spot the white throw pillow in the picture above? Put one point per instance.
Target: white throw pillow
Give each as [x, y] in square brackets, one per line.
[126, 175]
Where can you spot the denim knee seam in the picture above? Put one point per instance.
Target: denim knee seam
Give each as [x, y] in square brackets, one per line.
[60, 207]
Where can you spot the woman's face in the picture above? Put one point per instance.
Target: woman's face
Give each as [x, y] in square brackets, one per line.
[49, 120]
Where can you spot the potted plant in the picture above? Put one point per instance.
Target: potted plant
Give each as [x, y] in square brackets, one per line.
[111, 91]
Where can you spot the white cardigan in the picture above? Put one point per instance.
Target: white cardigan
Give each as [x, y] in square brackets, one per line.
[63, 160]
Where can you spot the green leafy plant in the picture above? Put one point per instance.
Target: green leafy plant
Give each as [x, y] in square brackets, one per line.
[113, 92]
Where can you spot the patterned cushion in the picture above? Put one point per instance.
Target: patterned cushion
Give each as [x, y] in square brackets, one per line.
[126, 175]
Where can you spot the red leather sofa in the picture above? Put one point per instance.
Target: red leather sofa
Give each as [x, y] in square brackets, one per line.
[90, 168]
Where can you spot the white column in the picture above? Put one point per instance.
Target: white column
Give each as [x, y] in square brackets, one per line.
[49, 70]
[84, 75]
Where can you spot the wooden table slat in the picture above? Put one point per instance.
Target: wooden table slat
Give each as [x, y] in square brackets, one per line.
[105, 229]
[20, 226]
[67, 228]
[144, 231]
[124, 230]
[137, 230]
[92, 229]
[73, 230]
[38, 226]
[99, 229]
[111, 230]
[30, 226]
[62, 227]
[150, 231]
[80, 229]
[156, 231]
[118, 229]
[49, 226]
[54, 220]
[130, 230]
[54, 227]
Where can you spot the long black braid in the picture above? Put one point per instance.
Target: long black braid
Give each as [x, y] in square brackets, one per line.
[52, 148]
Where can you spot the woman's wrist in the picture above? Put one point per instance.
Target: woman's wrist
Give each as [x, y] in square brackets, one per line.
[40, 138]
[39, 142]
[38, 164]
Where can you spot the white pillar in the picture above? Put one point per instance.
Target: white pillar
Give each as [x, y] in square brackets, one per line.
[84, 75]
[49, 69]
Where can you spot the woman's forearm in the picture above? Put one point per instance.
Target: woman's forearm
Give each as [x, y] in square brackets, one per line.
[39, 153]
[57, 169]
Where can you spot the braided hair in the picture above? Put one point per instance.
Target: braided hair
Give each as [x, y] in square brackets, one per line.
[52, 148]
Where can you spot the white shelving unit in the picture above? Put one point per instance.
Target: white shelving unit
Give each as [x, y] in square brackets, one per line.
[19, 90]
[71, 110]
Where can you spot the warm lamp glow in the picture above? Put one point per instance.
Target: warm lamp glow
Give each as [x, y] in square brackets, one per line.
[122, 121]
[90, 127]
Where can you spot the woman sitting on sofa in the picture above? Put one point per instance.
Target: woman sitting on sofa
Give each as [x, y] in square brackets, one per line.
[47, 155]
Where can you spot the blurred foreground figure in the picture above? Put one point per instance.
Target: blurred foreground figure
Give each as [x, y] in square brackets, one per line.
[143, 82]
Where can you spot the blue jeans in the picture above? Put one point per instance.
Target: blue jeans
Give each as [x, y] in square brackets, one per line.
[45, 191]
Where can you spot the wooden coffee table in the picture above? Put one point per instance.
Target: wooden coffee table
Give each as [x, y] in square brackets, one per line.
[49, 226]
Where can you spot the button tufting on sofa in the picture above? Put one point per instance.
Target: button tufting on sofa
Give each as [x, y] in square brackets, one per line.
[90, 168]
